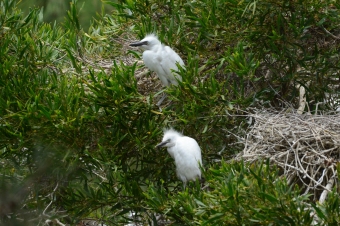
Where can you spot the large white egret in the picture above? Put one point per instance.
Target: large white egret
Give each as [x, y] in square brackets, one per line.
[160, 59]
[186, 153]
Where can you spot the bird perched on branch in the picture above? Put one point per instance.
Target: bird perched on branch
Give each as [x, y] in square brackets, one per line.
[186, 153]
[160, 59]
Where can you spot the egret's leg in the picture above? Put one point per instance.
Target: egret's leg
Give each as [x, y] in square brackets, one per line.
[184, 185]
[161, 100]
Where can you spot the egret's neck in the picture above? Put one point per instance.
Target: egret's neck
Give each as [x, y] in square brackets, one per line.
[157, 47]
[171, 151]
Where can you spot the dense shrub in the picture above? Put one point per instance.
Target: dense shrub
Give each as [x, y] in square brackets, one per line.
[77, 136]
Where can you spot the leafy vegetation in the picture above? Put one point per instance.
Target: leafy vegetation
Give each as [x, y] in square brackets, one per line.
[77, 131]
[56, 11]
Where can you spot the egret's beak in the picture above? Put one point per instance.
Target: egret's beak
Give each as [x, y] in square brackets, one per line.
[162, 144]
[139, 43]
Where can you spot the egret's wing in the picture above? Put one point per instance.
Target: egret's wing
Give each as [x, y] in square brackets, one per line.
[173, 56]
[153, 62]
[187, 168]
[195, 151]
[189, 148]
[168, 63]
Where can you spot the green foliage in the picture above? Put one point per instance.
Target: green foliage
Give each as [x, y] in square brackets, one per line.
[329, 211]
[77, 135]
[56, 11]
[285, 42]
[238, 194]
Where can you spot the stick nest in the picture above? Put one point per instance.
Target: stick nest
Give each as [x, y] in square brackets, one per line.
[305, 147]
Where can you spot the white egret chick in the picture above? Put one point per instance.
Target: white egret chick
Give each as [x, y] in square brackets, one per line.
[160, 59]
[186, 153]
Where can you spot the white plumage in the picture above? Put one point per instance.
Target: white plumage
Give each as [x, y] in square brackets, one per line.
[160, 59]
[186, 153]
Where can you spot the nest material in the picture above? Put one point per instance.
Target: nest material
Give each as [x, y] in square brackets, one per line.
[305, 147]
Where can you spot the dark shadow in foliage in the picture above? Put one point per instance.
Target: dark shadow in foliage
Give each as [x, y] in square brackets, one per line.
[48, 167]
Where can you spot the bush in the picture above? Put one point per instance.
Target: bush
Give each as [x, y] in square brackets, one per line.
[238, 194]
[77, 135]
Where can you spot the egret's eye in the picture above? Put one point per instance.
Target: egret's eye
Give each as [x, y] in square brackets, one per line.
[167, 141]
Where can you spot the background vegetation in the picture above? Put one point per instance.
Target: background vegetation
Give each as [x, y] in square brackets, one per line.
[77, 131]
[56, 11]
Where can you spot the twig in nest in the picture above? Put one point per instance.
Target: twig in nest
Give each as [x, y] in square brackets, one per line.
[306, 147]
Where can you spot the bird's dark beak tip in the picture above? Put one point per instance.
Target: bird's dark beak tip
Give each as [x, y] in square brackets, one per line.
[136, 44]
[160, 145]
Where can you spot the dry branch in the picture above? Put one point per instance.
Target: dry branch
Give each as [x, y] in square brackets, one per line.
[305, 147]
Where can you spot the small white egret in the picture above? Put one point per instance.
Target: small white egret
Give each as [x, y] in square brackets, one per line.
[186, 153]
[160, 59]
